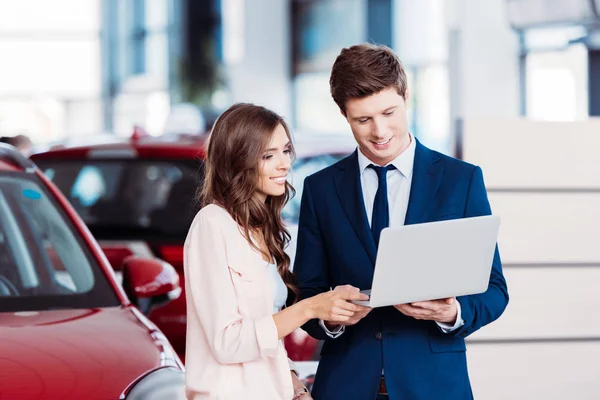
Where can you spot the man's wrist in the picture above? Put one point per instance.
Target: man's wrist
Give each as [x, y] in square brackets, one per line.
[450, 322]
[452, 326]
[454, 316]
[332, 333]
[332, 326]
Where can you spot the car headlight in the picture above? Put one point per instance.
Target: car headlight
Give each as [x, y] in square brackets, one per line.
[161, 384]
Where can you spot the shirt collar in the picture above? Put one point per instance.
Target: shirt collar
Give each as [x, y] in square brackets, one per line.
[403, 163]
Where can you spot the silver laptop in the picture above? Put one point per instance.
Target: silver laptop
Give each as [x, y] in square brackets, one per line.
[433, 261]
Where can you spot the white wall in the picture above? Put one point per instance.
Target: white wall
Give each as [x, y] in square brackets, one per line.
[543, 180]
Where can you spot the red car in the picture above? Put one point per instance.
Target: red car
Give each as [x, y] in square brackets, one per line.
[137, 196]
[67, 328]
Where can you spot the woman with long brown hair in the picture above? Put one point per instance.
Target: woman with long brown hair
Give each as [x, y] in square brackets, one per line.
[237, 274]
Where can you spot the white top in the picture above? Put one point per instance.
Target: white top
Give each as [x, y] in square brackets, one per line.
[280, 292]
[279, 289]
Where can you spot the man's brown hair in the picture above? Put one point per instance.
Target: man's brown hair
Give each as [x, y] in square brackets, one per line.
[362, 70]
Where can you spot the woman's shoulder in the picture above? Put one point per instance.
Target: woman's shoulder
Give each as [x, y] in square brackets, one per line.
[214, 211]
[213, 214]
[213, 220]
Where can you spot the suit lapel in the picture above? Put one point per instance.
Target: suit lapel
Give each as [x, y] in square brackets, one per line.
[427, 173]
[349, 190]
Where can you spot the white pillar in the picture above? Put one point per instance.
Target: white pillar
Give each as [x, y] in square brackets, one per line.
[483, 60]
[419, 32]
[257, 53]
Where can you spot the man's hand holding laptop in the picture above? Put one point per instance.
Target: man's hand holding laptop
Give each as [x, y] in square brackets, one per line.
[442, 310]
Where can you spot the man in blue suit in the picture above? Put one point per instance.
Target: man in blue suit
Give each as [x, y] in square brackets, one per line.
[409, 351]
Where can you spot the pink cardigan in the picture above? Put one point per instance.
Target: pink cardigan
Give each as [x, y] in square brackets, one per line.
[232, 347]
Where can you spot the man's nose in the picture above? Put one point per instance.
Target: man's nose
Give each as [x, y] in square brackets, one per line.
[378, 128]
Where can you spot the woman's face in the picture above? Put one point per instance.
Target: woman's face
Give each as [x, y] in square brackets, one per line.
[274, 165]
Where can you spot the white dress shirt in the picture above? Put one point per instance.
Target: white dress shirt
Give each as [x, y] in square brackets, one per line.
[398, 185]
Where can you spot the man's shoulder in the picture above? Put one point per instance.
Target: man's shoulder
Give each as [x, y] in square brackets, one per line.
[452, 164]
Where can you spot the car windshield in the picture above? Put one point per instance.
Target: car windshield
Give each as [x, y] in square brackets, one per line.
[125, 198]
[44, 264]
[302, 168]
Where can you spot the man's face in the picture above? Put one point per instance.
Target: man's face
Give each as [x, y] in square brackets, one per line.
[379, 125]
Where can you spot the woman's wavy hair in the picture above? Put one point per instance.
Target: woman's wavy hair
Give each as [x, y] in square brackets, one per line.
[235, 147]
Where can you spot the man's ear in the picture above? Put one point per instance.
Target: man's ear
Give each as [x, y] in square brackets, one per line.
[406, 95]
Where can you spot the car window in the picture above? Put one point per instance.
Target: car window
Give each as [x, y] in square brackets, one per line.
[125, 197]
[302, 168]
[43, 262]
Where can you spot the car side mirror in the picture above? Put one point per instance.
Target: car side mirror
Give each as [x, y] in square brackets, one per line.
[149, 282]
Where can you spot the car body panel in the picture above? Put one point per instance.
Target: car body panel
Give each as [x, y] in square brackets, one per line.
[73, 354]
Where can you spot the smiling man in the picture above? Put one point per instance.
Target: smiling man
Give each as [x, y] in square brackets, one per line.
[409, 351]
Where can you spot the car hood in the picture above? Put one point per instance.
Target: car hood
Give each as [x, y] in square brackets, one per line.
[74, 354]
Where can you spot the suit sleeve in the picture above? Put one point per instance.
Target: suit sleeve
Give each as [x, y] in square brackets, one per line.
[232, 338]
[311, 266]
[481, 309]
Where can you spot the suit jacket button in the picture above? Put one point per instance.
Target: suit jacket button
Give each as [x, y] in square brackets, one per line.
[378, 335]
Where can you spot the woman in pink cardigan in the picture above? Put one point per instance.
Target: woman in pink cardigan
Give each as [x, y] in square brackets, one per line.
[237, 274]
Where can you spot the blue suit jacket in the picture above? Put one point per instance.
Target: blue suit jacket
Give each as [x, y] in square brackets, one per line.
[335, 247]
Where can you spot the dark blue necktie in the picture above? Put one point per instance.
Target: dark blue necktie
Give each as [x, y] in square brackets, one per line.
[381, 212]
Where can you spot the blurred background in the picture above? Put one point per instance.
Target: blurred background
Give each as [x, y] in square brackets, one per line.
[511, 85]
[72, 68]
